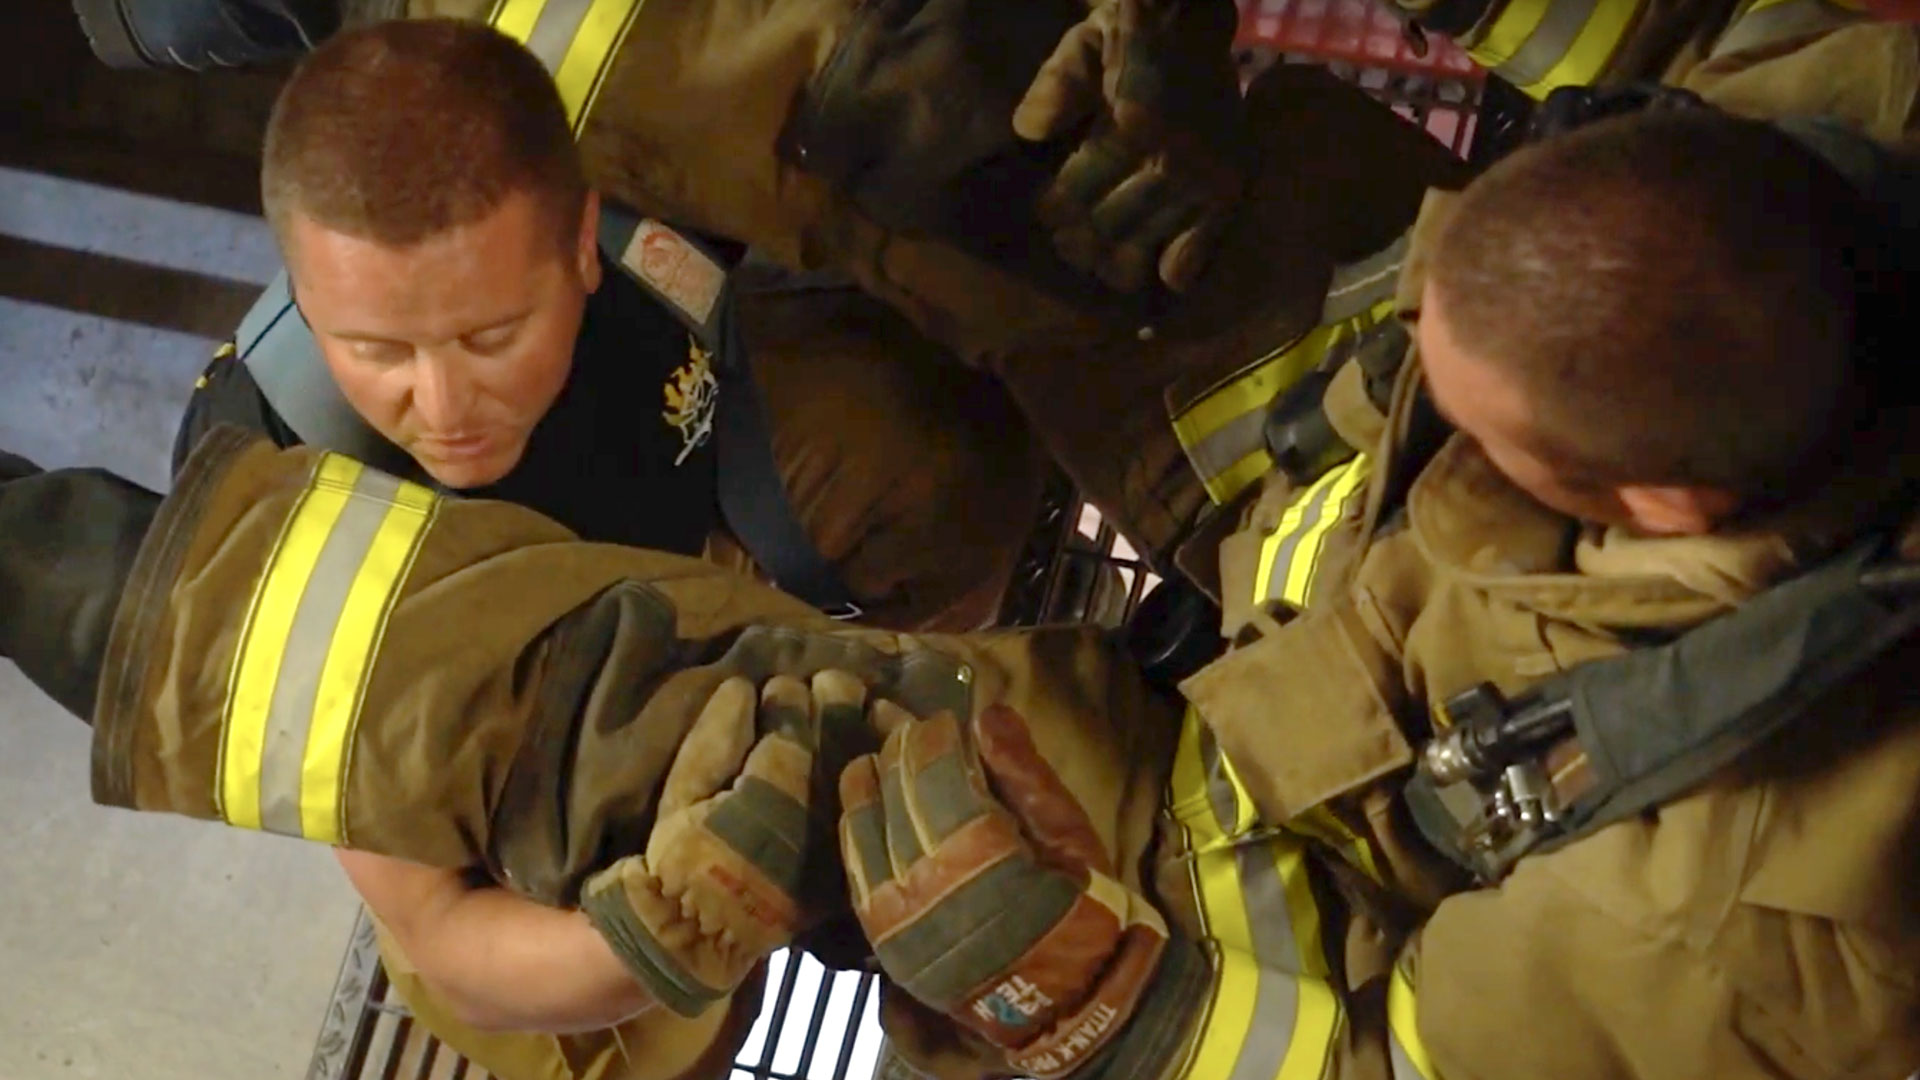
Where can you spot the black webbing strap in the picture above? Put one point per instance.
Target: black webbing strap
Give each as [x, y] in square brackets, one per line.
[692, 282]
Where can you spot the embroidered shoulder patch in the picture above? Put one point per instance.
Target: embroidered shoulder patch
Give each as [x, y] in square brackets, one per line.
[676, 269]
[691, 393]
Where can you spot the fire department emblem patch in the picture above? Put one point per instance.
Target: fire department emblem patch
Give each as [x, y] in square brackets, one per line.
[691, 393]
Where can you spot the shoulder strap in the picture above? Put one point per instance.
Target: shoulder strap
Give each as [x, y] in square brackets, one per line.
[695, 284]
[1611, 738]
[690, 280]
[278, 348]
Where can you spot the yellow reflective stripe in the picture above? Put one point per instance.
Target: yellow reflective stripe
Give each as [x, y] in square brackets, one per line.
[575, 39]
[515, 18]
[1316, 1025]
[1587, 58]
[1509, 31]
[312, 629]
[1229, 1015]
[1223, 431]
[263, 638]
[356, 641]
[1240, 476]
[1263, 1021]
[1303, 911]
[1409, 1054]
[1306, 559]
[1244, 393]
[1290, 556]
[585, 68]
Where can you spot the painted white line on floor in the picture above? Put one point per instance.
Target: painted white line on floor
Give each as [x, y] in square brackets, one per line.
[87, 217]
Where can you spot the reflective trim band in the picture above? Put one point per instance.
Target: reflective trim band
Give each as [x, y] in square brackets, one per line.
[1272, 1014]
[1224, 431]
[1592, 51]
[1407, 1052]
[575, 39]
[1290, 556]
[1550, 41]
[1358, 286]
[1508, 31]
[1766, 21]
[1539, 45]
[311, 633]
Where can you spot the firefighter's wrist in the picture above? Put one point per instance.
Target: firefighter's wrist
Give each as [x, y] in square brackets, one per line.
[1153, 1036]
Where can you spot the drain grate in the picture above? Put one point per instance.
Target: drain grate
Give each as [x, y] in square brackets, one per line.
[813, 1025]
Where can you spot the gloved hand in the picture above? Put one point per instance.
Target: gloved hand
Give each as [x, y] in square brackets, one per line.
[1001, 912]
[1164, 161]
[718, 887]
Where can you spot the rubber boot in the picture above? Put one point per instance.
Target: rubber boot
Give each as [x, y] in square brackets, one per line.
[199, 34]
[68, 539]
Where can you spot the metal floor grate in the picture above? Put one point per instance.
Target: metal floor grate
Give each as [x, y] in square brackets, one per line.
[813, 1025]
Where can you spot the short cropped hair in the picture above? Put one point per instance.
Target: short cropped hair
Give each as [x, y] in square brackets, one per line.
[398, 131]
[1673, 292]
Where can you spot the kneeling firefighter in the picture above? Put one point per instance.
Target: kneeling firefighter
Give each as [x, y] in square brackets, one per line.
[1648, 678]
[476, 320]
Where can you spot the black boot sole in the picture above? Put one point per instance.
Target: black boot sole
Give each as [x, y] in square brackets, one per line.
[105, 24]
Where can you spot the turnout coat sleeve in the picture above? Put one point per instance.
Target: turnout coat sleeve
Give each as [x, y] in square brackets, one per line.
[312, 648]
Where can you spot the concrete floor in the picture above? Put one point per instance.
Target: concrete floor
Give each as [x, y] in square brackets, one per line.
[134, 946]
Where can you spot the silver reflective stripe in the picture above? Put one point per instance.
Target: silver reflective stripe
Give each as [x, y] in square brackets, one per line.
[1234, 440]
[1358, 286]
[1403, 1066]
[1276, 1004]
[309, 641]
[1273, 943]
[553, 32]
[1780, 22]
[1309, 526]
[1549, 43]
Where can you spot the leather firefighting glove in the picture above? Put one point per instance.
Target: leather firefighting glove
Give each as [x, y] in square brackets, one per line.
[68, 539]
[1155, 86]
[720, 884]
[987, 893]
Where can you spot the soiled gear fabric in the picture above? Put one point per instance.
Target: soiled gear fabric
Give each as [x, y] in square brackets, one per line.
[1770, 912]
[463, 684]
[878, 140]
[915, 479]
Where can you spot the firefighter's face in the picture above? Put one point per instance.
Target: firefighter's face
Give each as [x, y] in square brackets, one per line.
[1489, 407]
[456, 347]
[1493, 411]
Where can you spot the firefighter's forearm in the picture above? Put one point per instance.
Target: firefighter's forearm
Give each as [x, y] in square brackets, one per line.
[501, 962]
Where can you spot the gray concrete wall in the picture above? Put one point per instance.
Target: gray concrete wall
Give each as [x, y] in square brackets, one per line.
[134, 946]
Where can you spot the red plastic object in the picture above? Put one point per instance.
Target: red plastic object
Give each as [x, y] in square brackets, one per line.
[1359, 32]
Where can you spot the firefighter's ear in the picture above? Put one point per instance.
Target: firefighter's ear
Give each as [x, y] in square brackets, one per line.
[587, 244]
[1672, 510]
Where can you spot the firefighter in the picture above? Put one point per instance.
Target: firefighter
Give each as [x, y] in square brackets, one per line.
[1599, 702]
[623, 378]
